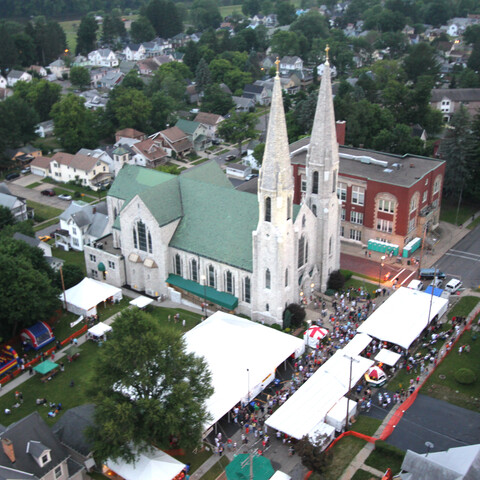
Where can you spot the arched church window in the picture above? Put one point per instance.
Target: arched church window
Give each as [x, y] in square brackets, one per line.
[306, 252]
[115, 212]
[304, 221]
[178, 264]
[211, 276]
[315, 182]
[142, 238]
[229, 285]
[286, 277]
[267, 307]
[246, 290]
[268, 279]
[289, 208]
[268, 209]
[194, 270]
[330, 246]
[301, 251]
[314, 210]
[334, 182]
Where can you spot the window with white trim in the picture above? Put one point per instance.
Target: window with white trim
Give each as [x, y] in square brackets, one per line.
[424, 198]
[246, 290]
[355, 235]
[384, 225]
[414, 203]
[111, 265]
[342, 231]
[343, 214]
[436, 185]
[211, 276]
[58, 471]
[303, 185]
[178, 264]
[229, 283]
[342, 191]
[356, 217]
[412, 223]
[387, 206]
[358, 195]
[194, 270]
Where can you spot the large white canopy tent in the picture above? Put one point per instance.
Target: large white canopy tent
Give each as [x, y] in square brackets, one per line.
[337, 415]
[83, 298]
[99, 329]
[151, 465]
[403, 317]
[242, 357]
[387, 357]
[305, 412]
[357, 344]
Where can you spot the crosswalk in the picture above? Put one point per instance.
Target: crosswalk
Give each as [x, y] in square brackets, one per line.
[462, 254]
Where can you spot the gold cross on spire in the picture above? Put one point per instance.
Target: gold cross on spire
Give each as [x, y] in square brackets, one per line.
[327, 49]
[277, 63]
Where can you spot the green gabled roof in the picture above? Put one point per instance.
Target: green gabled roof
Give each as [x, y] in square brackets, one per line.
[208, 172]
[187, 126]
[133, 179]
[217, 223]
[164, 201]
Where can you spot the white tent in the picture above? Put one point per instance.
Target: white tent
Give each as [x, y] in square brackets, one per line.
[314, 335]
[303, 413]
[83, 298]
[279, 475]
[336, 416]
[242, 357]
[152, 465]
[141, 301]
[357, 344]
[402, 318]
[99, 329]
[387, 357]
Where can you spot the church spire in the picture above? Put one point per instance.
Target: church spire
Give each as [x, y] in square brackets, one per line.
[276, 171]
[323, 148]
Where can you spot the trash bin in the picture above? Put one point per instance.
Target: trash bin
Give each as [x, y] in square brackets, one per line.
[408, 262]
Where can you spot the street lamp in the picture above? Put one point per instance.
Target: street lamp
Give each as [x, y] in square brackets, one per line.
[204, 281]
[382, 263]
[301, 297]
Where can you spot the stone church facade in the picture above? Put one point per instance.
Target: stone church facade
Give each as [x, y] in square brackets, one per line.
[195, 234]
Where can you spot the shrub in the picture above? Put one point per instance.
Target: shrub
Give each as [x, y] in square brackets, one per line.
[336, 281]
[329, 292]
[465, 376]
[347, 274]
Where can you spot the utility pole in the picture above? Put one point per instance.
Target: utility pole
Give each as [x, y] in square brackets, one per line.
[349, 388]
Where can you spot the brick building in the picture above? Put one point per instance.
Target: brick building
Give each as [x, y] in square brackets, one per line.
[385, 198]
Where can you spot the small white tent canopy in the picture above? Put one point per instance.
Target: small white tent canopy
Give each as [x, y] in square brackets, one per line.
[83, 298]
[141, 301]
[152, 465]
[336, 416]
[279, 475]
[99, 329]
[387, 357]
[402, 318]
[357, 344]
[308, 407]
[313, 335]
[243, 362]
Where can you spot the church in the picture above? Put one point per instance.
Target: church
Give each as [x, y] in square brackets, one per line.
[195, 238]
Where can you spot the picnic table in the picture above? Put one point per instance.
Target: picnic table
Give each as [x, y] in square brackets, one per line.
[47, 369]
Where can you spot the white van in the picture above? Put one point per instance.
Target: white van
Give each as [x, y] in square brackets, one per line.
[453, 285]
[415, 285]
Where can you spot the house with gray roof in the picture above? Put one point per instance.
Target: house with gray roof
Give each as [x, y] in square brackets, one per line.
[16, 205]
[243, 104]
[15, 76]
[54, 262]
[449, 100]
[30, 451]
[81, 224]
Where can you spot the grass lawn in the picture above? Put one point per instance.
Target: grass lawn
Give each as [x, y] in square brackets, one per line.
[198, 162]
[221, 152]
[43, 212]
[47, 144]
[34, 184]
[364, 475]
[70, 28]
[230, 9]
[366, 425]
[474, 224]
[448, 212]
[217, 469]
[72, 256]
[463, 307]
[195, 459]
[46, 224]
[86, 194]
[366, 285]
[385, 456]
[442, 383]
[342, 454]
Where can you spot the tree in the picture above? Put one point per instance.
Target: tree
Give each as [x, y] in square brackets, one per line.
[192, 56]
[285, 12]
[6, 217]
[26, 285]
[215, 100]
[129, 108]
[72, 275]
[80, 76]
[163, 107]
[165, 26]
[296, 314]
[86, 35]
[147, 389]
[40, 94]
[336, 280]
[74, 124]
[312, 25]
[250, 7]
[474, 60]
[202, 75]
[312, 455]
[472, 34]
[142, 30]
[17, 122]
[237, 128]
[421, 61]
[49, 38]
[258, 152]
[113, 28]
[205, 14]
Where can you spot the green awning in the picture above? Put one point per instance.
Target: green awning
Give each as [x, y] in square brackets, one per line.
[45, 367]
[101, 267]
[223, 299]
[239, 468]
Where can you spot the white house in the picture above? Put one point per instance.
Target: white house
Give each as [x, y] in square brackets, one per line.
[15, 76]
[16, 205]
[134, 52]
[3, 82]
[58, 68]
[41, 166]
[103, 57]
[211, 122]
[238, 170]
[44, 129]
[288, 63]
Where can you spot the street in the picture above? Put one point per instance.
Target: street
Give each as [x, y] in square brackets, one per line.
[462, 260]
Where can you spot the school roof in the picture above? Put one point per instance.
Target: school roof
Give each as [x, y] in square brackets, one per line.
[216, 221]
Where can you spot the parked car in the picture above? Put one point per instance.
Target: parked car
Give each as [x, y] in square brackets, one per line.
[453, 285]
[44, 238]
[64, 196]
[26, 170]
[215, 142]
[437, 283]
[12, 176]
[230, 158]
[431, 273]
[252, 175]
[416, 285]
[48, 192]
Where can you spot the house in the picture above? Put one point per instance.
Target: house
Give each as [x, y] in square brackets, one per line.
[103, 57]
[289, 63]
[448, 100]
[31, 451]
[15, 76]
[88, 171]
[180, 40]
[211, 121]
[259, 93]
[54, 262]
[238, 170]
[127, 66]
[269, 61]
[70, 430]
[129, 133]
[147, 66]
[122, 154]
[59, 69]
[24, 154]
[149, 153]
[81, 224]
[41, 166]
[174, 141]
[99, 154]
[197, 132]
[94, 100]
[458, 463]
[111, 80]
[244, 104]
[192, 95]
[38, 69]
[16, 205]
[134, 51]
[45, 129]
[3, 82]
[5, 93]
[80, 61]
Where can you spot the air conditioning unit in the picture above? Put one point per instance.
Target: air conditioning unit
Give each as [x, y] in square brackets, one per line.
[149, 292]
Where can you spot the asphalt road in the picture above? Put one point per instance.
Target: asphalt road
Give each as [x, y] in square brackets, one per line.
[438, 422]
[463, 260]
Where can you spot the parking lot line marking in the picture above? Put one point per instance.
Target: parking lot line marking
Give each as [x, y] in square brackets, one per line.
[466, 253]
[463, 256]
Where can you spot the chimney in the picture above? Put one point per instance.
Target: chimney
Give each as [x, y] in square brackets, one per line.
[8, 449]
[340, 127]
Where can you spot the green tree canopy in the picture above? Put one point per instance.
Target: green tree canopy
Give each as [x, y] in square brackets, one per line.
[147, 389]
[421, 61]
[17, 122]
[215, 100]
[165, 25]
[237, 128]
[202, 75]
[205, 14]
[113, 28]
[87, 35]
[142, 30]
[80, 76]
[129, 108]
[40, 94]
